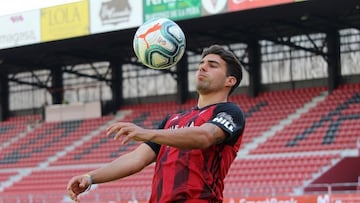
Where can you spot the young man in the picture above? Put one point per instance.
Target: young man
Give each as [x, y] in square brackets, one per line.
[193, 150]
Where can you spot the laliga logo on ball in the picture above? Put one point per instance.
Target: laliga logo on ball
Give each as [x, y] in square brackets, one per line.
[159, 43]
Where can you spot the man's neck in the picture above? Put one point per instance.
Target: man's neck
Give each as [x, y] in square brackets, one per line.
[206, 100]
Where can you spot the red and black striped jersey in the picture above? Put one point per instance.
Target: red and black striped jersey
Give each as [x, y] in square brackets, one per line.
[197, 175]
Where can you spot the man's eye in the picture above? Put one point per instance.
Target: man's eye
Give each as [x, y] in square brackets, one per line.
[213, 65]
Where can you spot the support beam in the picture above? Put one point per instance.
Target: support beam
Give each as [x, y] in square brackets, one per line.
[35, 84]
[4, 94]
[254, 54]
[182, 79]
[282, 41]
[97, 77]
[57, 91]
[333, 59]
[116, 85]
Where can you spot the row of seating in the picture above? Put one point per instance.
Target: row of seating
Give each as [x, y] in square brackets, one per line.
[281, 169]
[322, 128]
[45, 141]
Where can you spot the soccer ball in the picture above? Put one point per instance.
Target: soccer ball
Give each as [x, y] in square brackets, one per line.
[159, 43]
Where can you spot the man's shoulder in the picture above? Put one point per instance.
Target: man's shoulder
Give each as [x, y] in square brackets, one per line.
[229, 106]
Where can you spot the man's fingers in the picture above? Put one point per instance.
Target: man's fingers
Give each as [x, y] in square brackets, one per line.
[74, 198]
[76, 186]
[117, 136]
[126, 139]
[114, 128]
[111, 130]
[83, 183]
[120, 133]
[121, 130]
[72, 195]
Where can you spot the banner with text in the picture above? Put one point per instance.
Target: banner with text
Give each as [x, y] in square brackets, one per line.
[65, 21]
[20, 29]
[325, 198]
[335, 198]
[115, 15]
[173, 9]
[236, 5]
[211, 7]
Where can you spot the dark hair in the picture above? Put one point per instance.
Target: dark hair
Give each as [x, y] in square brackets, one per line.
[234, 67]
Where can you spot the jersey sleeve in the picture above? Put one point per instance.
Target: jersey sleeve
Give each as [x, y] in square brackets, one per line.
[154, 146]
[231, 119]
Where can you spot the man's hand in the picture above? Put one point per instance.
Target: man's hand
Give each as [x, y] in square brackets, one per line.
[77, 185]
[128, 131]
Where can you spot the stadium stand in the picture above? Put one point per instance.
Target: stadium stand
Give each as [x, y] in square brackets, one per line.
[281, 161]
[45, 141]
[277, 105]
[331, 125]
[301, 71]
[14, 127]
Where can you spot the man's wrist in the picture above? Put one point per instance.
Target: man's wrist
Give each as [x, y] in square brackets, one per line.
[90, 181]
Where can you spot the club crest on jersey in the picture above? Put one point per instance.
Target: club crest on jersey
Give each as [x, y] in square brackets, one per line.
[226, 120]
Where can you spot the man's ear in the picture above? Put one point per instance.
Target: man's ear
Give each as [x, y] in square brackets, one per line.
[230, 81]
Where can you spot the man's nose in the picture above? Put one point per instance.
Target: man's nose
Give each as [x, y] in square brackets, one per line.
[203, 67]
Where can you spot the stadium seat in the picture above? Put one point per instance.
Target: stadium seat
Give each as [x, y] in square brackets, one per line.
[272, 167]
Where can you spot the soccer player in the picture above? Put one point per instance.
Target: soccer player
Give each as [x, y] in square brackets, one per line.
[193, 150]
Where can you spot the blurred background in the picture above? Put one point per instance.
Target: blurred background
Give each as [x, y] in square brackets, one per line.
[68, 70]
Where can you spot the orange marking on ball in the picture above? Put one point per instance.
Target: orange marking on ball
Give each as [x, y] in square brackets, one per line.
[155, 28]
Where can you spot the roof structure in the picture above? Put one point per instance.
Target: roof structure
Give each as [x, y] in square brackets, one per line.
[273, 23]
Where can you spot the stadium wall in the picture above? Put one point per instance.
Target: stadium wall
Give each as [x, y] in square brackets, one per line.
[336, 175]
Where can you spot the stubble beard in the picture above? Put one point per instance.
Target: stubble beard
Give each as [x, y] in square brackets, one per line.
[203, 87]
